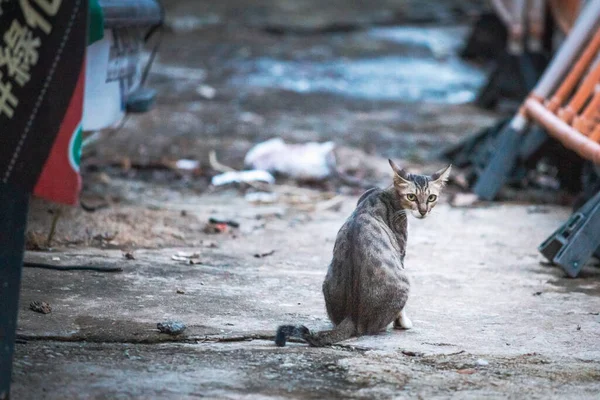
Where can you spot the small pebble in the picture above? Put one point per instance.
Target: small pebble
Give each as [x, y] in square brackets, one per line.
[171, 327]
[41, 307]
[482, 362]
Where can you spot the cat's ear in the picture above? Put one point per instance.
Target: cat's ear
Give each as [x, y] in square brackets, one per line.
[399, 172]
[441, 176]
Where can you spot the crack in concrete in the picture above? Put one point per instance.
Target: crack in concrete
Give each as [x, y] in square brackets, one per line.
[24, 339]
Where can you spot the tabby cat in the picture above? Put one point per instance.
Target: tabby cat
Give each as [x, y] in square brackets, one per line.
[366, 286]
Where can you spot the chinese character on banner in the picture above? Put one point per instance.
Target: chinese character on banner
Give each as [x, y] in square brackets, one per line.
[8, 101]
[42, 71]
[34, 18]
[20, 52]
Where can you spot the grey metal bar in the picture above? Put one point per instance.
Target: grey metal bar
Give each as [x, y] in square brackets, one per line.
[570, 49]
[574, 243]
[130, 13]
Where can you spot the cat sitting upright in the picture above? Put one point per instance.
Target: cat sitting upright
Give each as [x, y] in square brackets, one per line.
[366, 287]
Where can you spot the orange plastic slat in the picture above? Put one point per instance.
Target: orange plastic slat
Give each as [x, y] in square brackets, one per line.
[566, 134]
[595, 136]
[575, 73]
[581, 96]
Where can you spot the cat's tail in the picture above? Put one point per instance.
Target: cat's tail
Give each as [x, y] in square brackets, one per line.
[344, 330]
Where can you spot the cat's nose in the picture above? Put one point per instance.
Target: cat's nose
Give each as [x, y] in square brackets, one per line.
[422, 212]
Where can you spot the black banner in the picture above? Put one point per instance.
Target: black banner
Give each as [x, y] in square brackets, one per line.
[42, 51]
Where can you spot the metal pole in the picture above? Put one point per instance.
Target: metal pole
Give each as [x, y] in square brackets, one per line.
[13, 220]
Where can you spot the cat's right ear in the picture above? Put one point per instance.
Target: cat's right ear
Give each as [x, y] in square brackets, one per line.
[399, 173]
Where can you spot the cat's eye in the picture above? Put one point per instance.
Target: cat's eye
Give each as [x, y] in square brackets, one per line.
[411, 197]
[431, 198]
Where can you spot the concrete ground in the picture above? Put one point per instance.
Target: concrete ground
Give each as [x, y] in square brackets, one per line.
[491, 320]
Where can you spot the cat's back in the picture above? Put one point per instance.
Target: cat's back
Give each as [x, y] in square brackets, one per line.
[375, 226]
[371, 206]
[367, 219]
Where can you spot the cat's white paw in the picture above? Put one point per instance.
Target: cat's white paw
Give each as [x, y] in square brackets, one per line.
[405, 322]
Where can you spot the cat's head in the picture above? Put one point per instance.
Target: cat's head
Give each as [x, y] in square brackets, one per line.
[419, 193]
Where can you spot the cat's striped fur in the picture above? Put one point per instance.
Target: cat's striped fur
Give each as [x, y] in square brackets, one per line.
[366, 287]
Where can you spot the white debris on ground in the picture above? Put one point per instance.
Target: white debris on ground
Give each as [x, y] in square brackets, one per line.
[227, 178]
[308, 161]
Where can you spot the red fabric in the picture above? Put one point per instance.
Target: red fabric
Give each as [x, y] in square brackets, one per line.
[59, 181]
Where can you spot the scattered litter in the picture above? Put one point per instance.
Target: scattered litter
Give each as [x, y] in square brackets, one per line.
[129, 255]
[464, 200]
[215, 228]
[467, 371]
[230, 177]
[261, 197]
[187, 165]
[171, 327]
[41, 307]
[482, 362]
[411, 353]
[261, 255]
[55, 258]
[187, 255]
[188, 258]
[537, 210]
[104, 178]
[180, 291]
[228, 222]
[308, 161]
[208, 92]
[537, 294]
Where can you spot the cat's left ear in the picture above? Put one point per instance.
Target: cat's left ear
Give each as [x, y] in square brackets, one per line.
[400, 175]
[441, 176]
[399, 171]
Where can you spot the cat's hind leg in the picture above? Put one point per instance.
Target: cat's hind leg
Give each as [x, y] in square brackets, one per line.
[402, 321]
